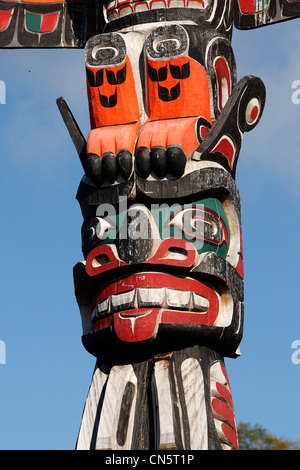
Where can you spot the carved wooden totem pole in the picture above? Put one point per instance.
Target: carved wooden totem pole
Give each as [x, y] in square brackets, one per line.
[161, 289]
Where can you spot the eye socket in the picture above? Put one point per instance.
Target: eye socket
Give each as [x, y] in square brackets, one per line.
[200, 224]
[94, 231]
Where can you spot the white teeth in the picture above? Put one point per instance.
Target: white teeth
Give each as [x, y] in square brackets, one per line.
[122, 8]
[200, 303]
[101, 309]
[140, 7]
[195, 4]
[176, 3]
[178, 298]
[157, 4]
[113, 15]
[125, 11]
[122, 301]
[151, 297]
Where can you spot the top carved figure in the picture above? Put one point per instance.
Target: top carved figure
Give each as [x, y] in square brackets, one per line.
[178, 63]
[52, 23]
[167, 58]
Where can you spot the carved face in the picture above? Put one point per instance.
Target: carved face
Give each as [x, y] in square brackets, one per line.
[156, 270]
[163, 237]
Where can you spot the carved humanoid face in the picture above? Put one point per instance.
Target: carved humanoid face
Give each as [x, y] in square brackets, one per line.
[154, 271]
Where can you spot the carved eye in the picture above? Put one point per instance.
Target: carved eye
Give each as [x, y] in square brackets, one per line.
[95, 230]
[200, 224]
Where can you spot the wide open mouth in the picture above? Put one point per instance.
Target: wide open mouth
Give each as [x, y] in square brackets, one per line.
[135, 305]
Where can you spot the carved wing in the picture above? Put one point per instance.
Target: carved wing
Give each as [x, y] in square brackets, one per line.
[250, 14]
[48, 23]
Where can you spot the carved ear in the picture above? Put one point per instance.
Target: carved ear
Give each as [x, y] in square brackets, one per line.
[249, 15]
[241, 113]
[221, 67]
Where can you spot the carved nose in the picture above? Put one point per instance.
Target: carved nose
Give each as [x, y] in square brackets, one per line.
[136, 236]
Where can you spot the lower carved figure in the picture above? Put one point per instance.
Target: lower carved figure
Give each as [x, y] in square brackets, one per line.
[180, 400]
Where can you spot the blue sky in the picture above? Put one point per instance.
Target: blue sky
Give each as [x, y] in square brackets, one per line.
[44, 383]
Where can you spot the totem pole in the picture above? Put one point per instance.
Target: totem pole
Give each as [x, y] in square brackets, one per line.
[160, 289]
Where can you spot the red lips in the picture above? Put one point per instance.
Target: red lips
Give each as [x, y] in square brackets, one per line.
[140, 324]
